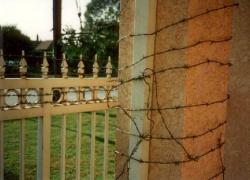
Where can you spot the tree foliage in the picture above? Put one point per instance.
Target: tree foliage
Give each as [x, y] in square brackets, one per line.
[14, 41]
[99, 35]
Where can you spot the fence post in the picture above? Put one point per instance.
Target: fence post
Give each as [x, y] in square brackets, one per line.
[143, 13]
[44, 127]
[46, 137]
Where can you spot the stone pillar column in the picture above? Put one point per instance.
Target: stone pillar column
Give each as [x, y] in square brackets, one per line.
[137, 17]
[237, 148]
[188, 89]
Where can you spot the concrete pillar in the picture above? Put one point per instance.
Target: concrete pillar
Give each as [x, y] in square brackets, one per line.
[137, 16]
[188, 104]
[237, 148]
[196, 97]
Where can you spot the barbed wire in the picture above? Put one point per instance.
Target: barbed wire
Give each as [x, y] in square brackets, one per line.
[184, 20]
[210, 42]
[149, 137]
[151, 74]
[175, 162]
[186, 66]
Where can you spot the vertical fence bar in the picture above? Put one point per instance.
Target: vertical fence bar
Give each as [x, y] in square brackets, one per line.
[63, 144]
[106, 140]
[39, 148]
[22, 149]
[1, 150]
[22, 137]
[43, 148]
[44, 130]
[46, 146]
[63, 125]
[78, 146]
[92, 156]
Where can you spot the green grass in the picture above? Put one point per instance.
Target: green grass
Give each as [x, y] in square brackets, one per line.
[11, 147]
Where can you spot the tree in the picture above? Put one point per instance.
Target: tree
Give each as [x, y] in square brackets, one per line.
[98, 36]
[14, 41]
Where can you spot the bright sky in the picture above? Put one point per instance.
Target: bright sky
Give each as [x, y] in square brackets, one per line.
[35, 16]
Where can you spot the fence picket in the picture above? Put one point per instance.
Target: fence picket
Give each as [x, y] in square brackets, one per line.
[78, 146]
[46, 130]
[39, 148]
[22, 149]
[63, 144]
[92, 156]
[106, 140]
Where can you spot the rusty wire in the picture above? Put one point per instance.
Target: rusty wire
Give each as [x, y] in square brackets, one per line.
[151, 74]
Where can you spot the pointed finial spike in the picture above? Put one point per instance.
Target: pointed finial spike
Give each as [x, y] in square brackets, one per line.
[109, 68]
[2, 65]
[64, 67]
[23, 66]
[45, 66]
[80, 68]
[95, 68]
[95, 57]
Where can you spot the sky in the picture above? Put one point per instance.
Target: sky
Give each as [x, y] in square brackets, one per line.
[34, 17]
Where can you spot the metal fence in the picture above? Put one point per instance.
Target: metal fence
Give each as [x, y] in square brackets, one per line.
[44, 97]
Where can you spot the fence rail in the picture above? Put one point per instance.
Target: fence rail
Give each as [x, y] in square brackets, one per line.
[44, 97]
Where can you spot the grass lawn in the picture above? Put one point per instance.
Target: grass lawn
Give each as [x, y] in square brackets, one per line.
[11, 147]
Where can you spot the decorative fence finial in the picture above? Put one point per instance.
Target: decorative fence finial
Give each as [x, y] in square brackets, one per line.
[23, 66]
[45, 66]
[64, 67]
[81, 68]
[2, 65]
[95, 68]
[109, 68]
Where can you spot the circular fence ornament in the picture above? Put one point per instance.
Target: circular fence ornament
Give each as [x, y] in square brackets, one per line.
[11, 98]
[101, 94]
[114, 94]
[72, 95]
[32, 97]
[57, 95]
[88, 94]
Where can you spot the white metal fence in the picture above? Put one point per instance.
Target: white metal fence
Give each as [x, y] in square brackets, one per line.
[44, 97]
